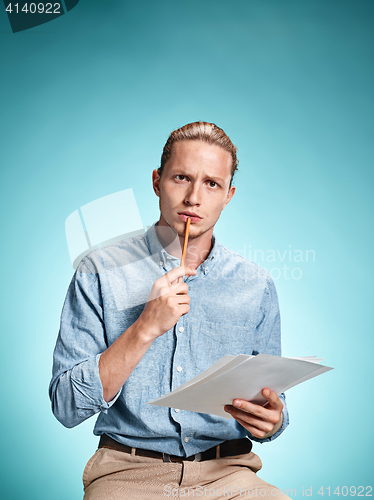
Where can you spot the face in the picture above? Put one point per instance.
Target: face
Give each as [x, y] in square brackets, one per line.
[195, 182]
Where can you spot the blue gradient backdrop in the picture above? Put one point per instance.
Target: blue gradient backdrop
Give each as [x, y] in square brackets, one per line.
[87, 102]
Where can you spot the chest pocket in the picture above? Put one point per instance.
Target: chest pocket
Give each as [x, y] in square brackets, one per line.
[210, 341]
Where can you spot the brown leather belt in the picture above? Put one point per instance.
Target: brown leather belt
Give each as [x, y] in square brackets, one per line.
[225, 449]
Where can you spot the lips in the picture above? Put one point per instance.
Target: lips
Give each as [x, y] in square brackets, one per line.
[185, 215]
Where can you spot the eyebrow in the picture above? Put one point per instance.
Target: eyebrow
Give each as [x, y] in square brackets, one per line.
[182, 171]
[216, 179]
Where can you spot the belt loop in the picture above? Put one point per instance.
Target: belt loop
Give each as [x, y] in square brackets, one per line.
[133, 452]
[166, 457]
[218, 449]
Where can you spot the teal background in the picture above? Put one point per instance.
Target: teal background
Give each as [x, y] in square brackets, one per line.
[87, 103]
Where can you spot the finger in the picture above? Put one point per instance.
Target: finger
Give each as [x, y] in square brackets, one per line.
[267, 415]
[164, 282]
[183, 299]
[180, 288]
[184, 309]
[273, 399]
[248, 417]
[253, 429]
[156, 293]
[249, 421]
[175, 300]
[252, 408]
[179, 271]
[167, 288]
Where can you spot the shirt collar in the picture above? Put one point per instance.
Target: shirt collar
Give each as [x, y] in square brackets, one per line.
[162, 257]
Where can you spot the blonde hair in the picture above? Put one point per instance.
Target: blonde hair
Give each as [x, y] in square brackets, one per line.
[201, 131]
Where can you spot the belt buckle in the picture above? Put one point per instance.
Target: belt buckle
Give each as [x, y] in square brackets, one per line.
[166, 457]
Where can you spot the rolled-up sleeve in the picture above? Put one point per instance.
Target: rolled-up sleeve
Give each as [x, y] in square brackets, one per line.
[268, 341]
[75, 390]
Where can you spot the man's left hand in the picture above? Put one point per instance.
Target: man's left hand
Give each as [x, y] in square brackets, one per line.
[260, 421]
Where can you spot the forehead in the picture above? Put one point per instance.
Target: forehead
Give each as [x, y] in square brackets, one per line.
[196, 156]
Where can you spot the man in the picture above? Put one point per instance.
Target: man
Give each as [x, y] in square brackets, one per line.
[131, 332]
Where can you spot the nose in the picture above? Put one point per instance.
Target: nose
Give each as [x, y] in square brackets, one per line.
[193, 195]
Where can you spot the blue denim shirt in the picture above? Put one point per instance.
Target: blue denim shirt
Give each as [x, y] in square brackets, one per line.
[234, 310]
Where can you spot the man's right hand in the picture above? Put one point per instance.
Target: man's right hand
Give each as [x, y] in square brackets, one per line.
[167, 301]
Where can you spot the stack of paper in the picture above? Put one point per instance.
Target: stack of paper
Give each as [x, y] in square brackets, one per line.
[241, 377]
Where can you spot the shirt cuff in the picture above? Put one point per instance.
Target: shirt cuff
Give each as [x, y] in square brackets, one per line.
[104, 405]
[88, 390]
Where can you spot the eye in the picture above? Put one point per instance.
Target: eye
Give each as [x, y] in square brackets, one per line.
[212, 184]
[181, 177]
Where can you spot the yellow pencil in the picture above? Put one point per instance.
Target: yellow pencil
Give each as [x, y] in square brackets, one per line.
[187, 230]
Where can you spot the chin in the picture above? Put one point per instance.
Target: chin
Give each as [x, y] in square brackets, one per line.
[178, 226]
[196, 234]
[196, 231]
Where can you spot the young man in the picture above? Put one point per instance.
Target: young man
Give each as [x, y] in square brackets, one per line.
[130, 333]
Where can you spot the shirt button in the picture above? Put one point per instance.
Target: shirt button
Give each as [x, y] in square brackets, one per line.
[176, 410]
[186, 439]
[181, 329]
[179, 369]
[206, 269]
[161, 263]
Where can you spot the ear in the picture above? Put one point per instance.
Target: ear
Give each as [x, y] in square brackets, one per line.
[230, 194]
[156, 182]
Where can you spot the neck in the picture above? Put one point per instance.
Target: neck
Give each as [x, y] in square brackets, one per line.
[198, 247]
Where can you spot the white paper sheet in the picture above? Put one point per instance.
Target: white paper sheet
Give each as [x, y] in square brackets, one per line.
[241, 377]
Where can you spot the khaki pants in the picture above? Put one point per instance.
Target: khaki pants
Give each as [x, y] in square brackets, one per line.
[115, 475]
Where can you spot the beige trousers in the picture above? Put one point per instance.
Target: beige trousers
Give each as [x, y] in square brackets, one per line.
[115, 475]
